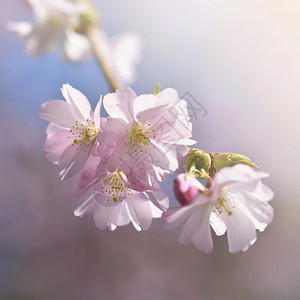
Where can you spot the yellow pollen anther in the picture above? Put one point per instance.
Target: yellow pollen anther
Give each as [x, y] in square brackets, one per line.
[84, 133]
[116, 188]
[140, 135]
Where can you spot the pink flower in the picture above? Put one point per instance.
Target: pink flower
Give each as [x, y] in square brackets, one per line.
[72, 132]
[186, 188]
[236, 202]
[147, 135]
[115, 203]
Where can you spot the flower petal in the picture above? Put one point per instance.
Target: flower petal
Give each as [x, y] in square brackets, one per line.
[56, 140]
[133, 218]
[241, 231]
[202, 237]
[87, 206]
[90, 167]
[140, 210]
[159, 199]
[80, 104]
[197, 229]
[237, 174]
[53, 129]
[124, 217]
[59, 112]
[114, 131]
[117, 160]
[120, 104]
[259, 212]
[217, 224]
[148, 106]
[263, 192]
[97, 113]
[106, 216]
[72, 161]
[169, 96]
[55, 146]
[174, 216]
[156, 212]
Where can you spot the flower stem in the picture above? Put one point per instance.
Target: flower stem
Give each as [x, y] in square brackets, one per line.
[97, 40]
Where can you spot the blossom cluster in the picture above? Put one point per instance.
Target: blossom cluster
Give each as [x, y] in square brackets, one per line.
[123, 158]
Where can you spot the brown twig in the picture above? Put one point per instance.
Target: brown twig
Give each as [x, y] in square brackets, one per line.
[97, 40]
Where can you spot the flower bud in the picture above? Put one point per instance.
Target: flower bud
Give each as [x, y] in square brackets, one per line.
[221, 160]
[186, 188]
[198, 159]
[157, 89]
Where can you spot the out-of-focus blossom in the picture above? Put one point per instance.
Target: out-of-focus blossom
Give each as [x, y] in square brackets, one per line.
[236, 202]
[125, 52]
[72, 132]
[186, 188]
[54, 27]
[114, 202]
[148, 134]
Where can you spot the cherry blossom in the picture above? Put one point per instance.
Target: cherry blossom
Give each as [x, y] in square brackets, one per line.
[147, 135]
[236, 202]
[73, 130]
[114, 202]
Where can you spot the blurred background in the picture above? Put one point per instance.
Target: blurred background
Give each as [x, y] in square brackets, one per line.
[240, 62]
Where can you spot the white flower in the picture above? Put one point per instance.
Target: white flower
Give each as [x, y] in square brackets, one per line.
[54, 25]
[236, 202]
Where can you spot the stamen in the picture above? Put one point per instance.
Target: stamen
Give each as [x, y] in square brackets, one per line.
[140, 136]
[224, 203]
[84, 133]
[116, 188]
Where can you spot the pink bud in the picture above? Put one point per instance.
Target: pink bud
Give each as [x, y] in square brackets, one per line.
[186, 188]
